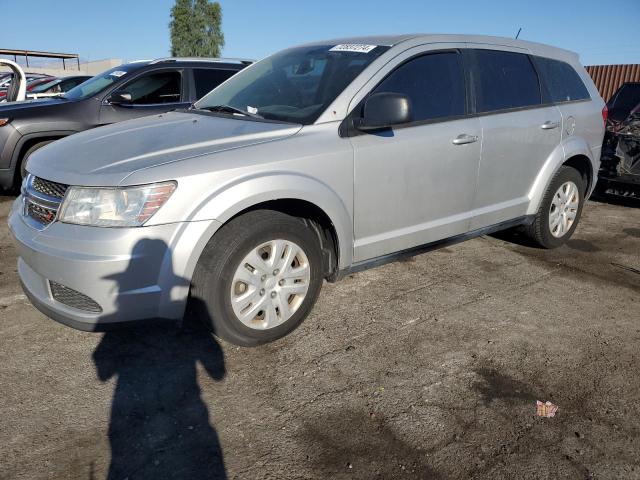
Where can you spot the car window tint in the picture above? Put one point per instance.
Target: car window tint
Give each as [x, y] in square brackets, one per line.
[67, 85]
[207, 79]
[102, 81]
[154, 88]
[627, 97]
[74, 83]
[295, 85]
[503, 80]
[562, 82]
[46, 87]
[306, 74]
[434, 84]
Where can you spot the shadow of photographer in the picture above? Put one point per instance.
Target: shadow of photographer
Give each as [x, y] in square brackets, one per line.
[159, 425]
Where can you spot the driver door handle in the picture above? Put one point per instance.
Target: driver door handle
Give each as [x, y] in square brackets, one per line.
[463, 138]
[549, 125]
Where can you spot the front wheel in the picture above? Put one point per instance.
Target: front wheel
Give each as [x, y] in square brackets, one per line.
[258, 278]
[25, 157]
[560, 209]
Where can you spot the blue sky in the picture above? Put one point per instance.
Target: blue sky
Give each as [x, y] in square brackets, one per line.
[601, 31]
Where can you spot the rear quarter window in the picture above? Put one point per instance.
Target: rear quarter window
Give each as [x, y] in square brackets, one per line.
[206, 79]
[503, 80]
[562, 82]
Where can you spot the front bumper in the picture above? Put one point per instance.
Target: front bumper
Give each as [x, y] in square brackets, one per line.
[132, 274]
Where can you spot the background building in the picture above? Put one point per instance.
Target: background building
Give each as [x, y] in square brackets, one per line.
[57, 64]
[608, 78]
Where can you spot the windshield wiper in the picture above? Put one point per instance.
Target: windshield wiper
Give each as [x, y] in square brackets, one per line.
[230, 109]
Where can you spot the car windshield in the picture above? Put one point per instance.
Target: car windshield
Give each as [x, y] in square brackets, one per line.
[45, 86]
[295, 85]
[100, 82]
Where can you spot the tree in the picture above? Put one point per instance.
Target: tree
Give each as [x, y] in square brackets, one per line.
[196, 29]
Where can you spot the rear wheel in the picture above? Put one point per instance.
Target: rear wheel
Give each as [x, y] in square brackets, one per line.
[560, 209]
[258, 278]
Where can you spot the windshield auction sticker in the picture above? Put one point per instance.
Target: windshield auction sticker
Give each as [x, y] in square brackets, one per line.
[353, 47]
[118, 73]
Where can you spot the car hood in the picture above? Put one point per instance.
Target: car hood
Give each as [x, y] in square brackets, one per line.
[105, 156]
[26, 105]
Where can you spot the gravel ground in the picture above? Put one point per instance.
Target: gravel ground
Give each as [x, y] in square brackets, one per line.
[428, 368]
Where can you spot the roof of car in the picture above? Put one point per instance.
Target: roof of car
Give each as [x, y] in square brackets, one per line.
[234, 61]
[419, 38]
[382, 40]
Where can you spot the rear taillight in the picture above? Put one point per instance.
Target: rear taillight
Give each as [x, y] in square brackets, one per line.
[605, 114]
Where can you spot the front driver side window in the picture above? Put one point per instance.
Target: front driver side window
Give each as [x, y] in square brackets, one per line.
[434, 84]
[154, 88]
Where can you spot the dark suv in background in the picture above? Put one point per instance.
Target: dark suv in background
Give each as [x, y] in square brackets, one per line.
[122, 93]
[620, 168]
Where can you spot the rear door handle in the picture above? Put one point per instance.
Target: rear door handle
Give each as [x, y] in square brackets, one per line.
[464, 138]
[549, 125]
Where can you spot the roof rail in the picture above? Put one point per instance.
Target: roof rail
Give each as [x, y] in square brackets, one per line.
[242, 61]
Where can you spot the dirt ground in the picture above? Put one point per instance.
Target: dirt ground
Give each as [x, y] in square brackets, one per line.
[428, 368]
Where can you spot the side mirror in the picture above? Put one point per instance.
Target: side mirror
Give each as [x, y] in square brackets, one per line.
[120, 97]
[383, 110]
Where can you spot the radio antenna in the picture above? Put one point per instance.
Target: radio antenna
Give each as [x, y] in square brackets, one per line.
[518, 34]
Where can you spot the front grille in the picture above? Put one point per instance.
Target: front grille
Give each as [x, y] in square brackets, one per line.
[41, 214]
[71, 298]
[53, 189]
[41, 200]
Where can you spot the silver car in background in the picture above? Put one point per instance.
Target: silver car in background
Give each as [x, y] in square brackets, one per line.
[321, 160]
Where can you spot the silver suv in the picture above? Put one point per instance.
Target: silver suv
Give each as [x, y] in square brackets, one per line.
[321, 160]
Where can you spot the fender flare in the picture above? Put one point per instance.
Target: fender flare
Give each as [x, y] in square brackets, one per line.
[568, 148]
[246, 192]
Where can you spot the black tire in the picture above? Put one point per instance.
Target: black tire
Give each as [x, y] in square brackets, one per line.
[210, 299]
[539, 231]
[25, 157]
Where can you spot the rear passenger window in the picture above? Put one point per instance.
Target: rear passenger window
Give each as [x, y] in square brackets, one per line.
[562, 82]
[434, 84]
[208, 78]
[503, 80]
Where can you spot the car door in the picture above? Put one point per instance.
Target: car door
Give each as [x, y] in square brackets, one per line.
[519, 132]
[415, 183]
[152, 92]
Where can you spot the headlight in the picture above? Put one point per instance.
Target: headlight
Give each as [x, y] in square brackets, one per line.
[114, 207]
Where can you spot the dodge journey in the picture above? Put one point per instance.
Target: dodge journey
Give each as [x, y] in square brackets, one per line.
[318, 161]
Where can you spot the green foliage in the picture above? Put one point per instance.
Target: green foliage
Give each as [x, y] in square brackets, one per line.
[196, 29]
